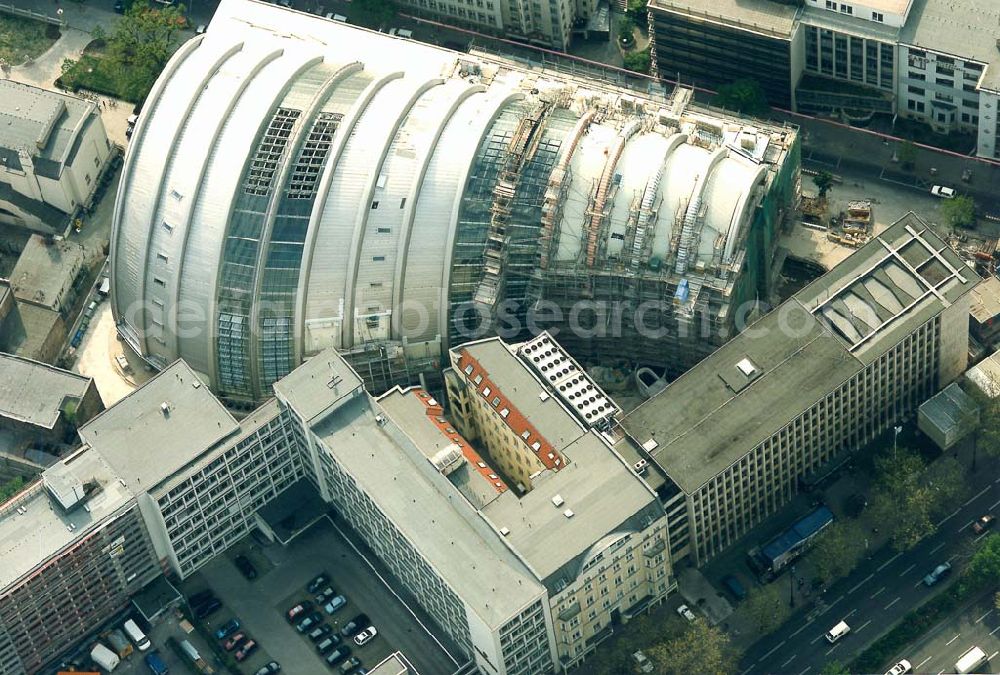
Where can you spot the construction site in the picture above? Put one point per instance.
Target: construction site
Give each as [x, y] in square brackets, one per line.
[425, 198]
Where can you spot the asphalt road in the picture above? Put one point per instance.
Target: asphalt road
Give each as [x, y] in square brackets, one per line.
[978, 625]
[879, 593]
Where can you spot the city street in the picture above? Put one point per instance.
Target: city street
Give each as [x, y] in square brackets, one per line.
[978, 625]
[877, 595]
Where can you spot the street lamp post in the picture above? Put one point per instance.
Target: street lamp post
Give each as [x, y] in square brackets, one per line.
[895, 435]
[791, 588]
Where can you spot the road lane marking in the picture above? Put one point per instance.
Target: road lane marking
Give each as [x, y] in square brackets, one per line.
[938, 548]
[861, 583]
[976, 540]
[994, 506]
[920, 665]
[876, 593]
[941, 672]
[952, 557]
[776, 648]
[808, 668]
[865, 624]
[990, 657]
[816, 638]
[832, 648]
[947, 518]
[830, 606]
[747, 670]
[966, 525]
[903, 573]
[984, 616]
[977, 496]
[994, 630]
[849, 614]
[802, 628]
[887, 562]
[948, 643]
[917, 585]
[785, 664]
[892, 603]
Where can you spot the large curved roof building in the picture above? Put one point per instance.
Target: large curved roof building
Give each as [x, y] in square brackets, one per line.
[294, 184]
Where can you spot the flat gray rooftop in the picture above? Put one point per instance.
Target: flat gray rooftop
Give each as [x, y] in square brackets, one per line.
[599, 491]
[43, 122]
[964, 28]
[763, 16]
[985, 300]
[145, 445]
[44, 271]
[715, 413]
[27, 540]
[311, 391]
[442, 527]
[32, 392]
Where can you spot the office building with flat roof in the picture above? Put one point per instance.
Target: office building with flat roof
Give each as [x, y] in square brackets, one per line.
[934, 61]
[824, 373]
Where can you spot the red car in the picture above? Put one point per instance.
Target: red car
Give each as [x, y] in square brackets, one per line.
[297, 610]
[246, 650]
[234, 641]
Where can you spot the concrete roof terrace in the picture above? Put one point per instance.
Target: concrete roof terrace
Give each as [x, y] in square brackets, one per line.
[35, 393]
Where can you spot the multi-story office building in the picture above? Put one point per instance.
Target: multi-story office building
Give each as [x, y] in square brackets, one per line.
[73, 550]
[931, 60]
[826, 372]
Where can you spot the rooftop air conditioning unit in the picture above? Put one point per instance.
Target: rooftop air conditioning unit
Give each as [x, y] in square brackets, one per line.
[640, 466]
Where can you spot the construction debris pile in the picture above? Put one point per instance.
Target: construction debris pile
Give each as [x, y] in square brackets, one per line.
[852, 227]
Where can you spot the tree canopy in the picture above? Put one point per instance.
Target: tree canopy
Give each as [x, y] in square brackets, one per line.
[823, 182]
[742, 96]
[960, 211]
[767, 606]
[376, 14]
[700, 649]
[638, 61]
[837, 550]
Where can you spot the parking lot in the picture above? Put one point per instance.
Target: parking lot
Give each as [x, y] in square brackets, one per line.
[282, 576]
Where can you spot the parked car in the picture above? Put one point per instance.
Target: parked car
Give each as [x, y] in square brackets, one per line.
[365, 636]
[227, 628]
[309, 622]
[325, 595]
[837, 632]
[939, 573]
[248, 648]
[350, 664]
[337, 602]
[327, 645]
[685, 612]
[269, 668]
[298, 609]
[245, 567]
[734, 586]
[201, 597]
[318, 582]
[900, 668]
[319, 632]
[338, 655]
[943, 192]
[155, 664]
[234, 641]
[207, 609]
[983, 523]
[350, 628]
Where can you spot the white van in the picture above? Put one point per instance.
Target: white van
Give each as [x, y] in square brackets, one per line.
[337, 17]
[970, 661]
[837, 632]
[136, 635]
[402, 32]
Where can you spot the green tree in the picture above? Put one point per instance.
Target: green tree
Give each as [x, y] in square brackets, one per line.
[988, 433]
[638, 61]
[904, 497]
[375, 14]
[140, 45]
[767, 607]
[699, 649]
[835, 668]
[907, 154]
[948, 483]
[743, 96]
[10, 488]
[985, 564]
[838, 550]
[637, 10]
[960, 211]
[823, 181]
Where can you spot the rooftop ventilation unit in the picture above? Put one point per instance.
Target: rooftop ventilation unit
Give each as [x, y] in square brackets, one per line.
[504, 531]
[165, 409]
[568, 513]
[747, 367]
[640, 466]
[558, 500]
